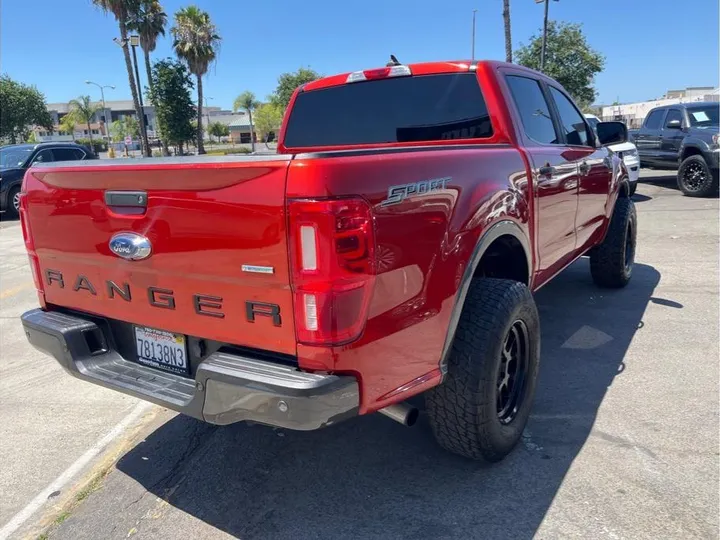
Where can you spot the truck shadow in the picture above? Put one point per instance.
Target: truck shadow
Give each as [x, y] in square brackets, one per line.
[370, 477]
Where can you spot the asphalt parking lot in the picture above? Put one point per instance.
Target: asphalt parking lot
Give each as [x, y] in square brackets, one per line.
[623, 441]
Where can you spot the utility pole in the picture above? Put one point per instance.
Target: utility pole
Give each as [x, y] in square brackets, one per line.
[544, 40]
[473, 36]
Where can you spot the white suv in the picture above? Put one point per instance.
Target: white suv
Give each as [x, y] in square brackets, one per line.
[627, 151]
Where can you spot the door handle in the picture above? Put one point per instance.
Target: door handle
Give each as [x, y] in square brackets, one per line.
[546, 170]
[584, 168]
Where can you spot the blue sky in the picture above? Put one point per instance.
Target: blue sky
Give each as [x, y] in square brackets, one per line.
[650, 45]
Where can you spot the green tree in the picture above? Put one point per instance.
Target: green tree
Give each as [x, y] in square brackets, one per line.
[20, 107]
[125, 127]
[268, 118]
[288, 82]
[171, 95]
[196, 42]
[124, 11]
[218, 129]
[68, 123]
[568, 59]
[149, 22]
[595, 110]
[83, 110]
[247, 102]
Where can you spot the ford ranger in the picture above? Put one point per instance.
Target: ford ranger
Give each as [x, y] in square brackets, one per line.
[389, 249]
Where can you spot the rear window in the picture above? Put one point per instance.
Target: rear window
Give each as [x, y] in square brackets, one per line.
[401, 109]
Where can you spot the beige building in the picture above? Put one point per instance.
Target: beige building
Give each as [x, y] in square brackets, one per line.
[633, 114]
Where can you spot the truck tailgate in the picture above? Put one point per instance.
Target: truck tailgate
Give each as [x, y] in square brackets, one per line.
[218, 267]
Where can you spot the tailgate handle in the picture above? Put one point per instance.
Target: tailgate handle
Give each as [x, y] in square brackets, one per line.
[131, 199]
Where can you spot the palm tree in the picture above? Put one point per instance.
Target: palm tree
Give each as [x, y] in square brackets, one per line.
[149, 22]
[196, 42]
[506, 20]
[124, 11]
[247, 101]
[67, 124]
[83, 110]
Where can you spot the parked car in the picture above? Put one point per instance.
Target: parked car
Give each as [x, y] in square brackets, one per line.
[626, 151]
[399, 251]
[685, 137]
[15, 159]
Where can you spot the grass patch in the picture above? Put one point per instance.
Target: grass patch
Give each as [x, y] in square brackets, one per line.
[91, 487]
[61, 518]
[228, 151]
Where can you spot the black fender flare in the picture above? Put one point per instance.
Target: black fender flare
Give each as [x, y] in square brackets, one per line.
[695, 143]
[501, 228]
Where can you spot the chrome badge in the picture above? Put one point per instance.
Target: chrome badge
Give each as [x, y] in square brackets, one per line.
[130, 246]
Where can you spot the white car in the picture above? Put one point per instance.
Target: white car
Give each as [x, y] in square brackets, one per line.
[627, 151]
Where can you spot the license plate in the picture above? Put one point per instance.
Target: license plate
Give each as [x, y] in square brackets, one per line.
[162, 350]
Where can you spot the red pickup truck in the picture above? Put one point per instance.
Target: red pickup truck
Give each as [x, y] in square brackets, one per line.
[390, 248]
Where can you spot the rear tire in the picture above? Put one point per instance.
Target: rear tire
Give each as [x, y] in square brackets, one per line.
[611, 262]
[12, 209]
[481, 408]
[695, 178]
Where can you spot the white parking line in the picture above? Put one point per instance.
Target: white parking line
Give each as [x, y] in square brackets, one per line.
[56, 485]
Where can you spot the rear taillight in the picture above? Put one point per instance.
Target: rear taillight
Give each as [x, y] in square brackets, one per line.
[332, 247]
[30, 248]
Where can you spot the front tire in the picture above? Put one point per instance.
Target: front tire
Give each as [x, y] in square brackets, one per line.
[611, 262]
[481, 408]
[695, 178]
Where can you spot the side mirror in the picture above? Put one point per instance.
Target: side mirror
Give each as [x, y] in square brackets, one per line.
[611, 133]
[674, 124]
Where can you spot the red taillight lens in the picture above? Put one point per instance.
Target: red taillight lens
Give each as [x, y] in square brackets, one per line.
[379, 73]
[332, 248]
[30, 248]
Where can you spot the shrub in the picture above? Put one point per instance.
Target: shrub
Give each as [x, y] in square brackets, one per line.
[97, 145]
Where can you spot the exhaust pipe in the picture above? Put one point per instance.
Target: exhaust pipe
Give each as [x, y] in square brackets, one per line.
[401, 412]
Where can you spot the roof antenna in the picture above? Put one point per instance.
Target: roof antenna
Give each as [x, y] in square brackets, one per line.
[393, 61]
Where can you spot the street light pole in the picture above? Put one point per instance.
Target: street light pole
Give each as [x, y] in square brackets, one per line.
[102, 96]
[473, 36]
[134, 42]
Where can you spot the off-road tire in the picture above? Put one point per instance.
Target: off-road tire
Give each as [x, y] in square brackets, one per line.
[611, 262]
[633, 188]
[706, 182]
[463, 410]
[10, 211]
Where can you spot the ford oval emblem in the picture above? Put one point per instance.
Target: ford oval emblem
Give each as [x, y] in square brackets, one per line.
[130, 246]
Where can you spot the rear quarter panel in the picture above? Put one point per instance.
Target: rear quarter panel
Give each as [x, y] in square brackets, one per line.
[424, 244]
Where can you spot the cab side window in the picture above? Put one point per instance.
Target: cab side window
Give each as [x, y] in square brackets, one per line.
[68, 154]
[654, 120]
[44, 156]
[533, 108]
[673, 114]
[573, 124]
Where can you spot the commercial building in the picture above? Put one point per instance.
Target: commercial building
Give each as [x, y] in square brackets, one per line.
[116, 110]
[633, 114]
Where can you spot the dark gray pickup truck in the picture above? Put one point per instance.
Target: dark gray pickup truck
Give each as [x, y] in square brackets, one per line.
[685, 137]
